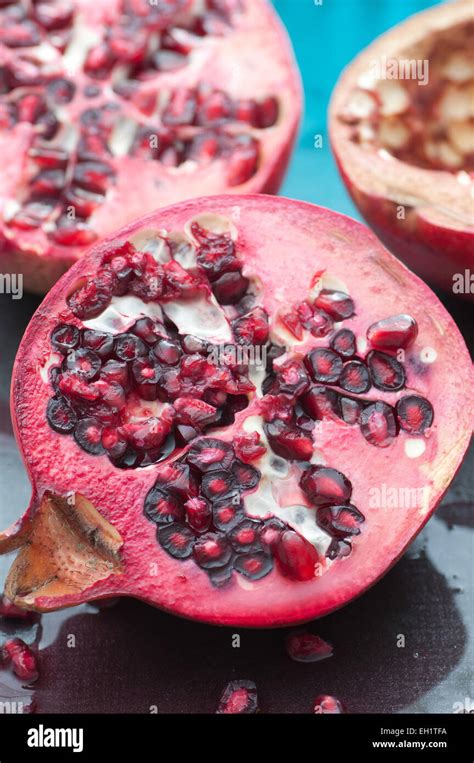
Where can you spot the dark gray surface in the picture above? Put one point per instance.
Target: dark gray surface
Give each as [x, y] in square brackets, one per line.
[130, 657]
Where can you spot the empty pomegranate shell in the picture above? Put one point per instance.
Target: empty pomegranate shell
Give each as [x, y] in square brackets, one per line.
[272, 510]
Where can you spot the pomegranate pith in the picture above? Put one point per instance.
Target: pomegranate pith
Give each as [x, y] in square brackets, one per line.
[239, 489]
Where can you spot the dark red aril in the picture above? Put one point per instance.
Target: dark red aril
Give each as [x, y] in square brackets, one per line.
[22, 658]
[324, 485]
[394, 333]
[65, 337]
[320, 402]
[238, 698]
[177, 540]
[247, 477]
[129, 347]
[307, 647]
[115, 371]
[218, 484]
[88, 435]
[230, 288]
[166, 351]
[61, 417]
[378, 424]
[198, 514]
[254, 566]
[227, 513]
[163, 507]
[271, 530]
[84, 362]
[100, 342]
[208, 454]
[350, 410]
[252, 328]
[336, 303]
[324, 365]
[289, 441]
[296, 556]
[149, 330]
[248, 446]
[245, 536]
[344, 343]
[386, 372]
[292, 378]
[90, 299]
[414, 413]
[355, 377]
[60, 90]
[221, 576]
[212, 550]
[340, 521]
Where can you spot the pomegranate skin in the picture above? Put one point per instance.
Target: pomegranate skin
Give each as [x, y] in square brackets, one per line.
[231, 58]
[74, 492]
[434, 233]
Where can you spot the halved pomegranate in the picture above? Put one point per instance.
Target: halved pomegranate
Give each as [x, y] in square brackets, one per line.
[402, 130]
[224, 480]
[110, 109]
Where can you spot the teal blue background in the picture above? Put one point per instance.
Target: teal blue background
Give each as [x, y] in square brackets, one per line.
[325, 39]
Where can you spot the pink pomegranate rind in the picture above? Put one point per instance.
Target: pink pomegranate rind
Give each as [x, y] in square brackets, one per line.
[182, 100]
[405, 150]
[85, 536]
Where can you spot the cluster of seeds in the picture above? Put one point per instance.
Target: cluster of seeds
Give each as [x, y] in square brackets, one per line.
[65, 185]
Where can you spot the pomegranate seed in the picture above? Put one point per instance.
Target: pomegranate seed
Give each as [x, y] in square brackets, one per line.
[339, 305]
[84, 202]
[227, 513]
[396, 332]
[98, 341]
[378, 424]
[149, 330]
[251, 329]
[243, 161]
[307, 647]
[218, 484]
[163, 507]
[179, 477]
[355, 377]
[230, 288]
[254, 566]
[61, 90]
[198, 514]
[30, 108]
[208, 454]
[22, 658]
[245, 110]
[65, 337]
[193, 344]
[214, 109]
[238, 698]
[11, 611]
[320, 403]
[149, 434]
[324, 485]
[292, 322]
[344, 343]
[48, 183]
[326, 705]
[267, 114]
[222, 575]
[195, 413]
[296, 556]
[93, 176]
[73, 233]
[415, 414]
[114, 443]
[276, 407]
[72, 385]
[338, 549]
[23, 35]
[115, 371]
[340, 521]
[247, 476]
[129, 347]
[177, 540]
[167, 351]
[60, 415]
[88, 435]
[248, 447]
[45, 156]
[84, 362]
[245, 537]
[99, 61]
[212, 550]
[291, 378]
[386, 372]
[350, 410]
[271, 530]
[181, 108]
[203, 148]
[289, 441]
[324, 365]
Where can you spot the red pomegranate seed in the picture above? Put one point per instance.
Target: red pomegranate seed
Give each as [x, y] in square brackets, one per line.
[245, 536]
[195, 413]
[54, 15]
[292, 378]
[350, 410]
[238, 698]
[254, 566]
[22, 658]
[49, 157]
[177, 540]
[344, 343]
[248, 447]
[289, 441]
[163, 507]
[386, 372]
[230, 288]
[355, 377]
[326, 705]
[276, 407]
[267, 112]
[271, 531]
[251, 329]
[218, 484]
[296, 556]
[340, 521]
[396, 332]
[320, 403]
[215, 108]
[415, 414]
[339, 305]
[323, 485]
[292, 322]
[212, 550]
[198, 514]
[243, 161]
[181, 108]
[324, 365]
[71, 232]
[307, 647]
[378, 424]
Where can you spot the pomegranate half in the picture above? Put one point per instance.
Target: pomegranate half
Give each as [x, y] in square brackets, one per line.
[110, 109]
[402, 130]
[240, 409]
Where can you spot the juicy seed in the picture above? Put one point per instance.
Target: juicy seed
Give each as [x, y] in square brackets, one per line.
[88, 434]
[163, 507]
[230, 288]
[221, 576]
[320, 403]
[60, 415]
[378, 424]
[209, 454]
[238, 698]
[212, 550]
[245, 537]
[326, 705]
[177, 540]
[247, 476]
[65, 337]
[251, 329]
[394, 333]
[296, 556]
[218, 484]
[307, 647]
[324, 485]
[271, 531]
[289, 441]
[355, 377]
[344, 343]
[227, 513]
[84, 362]
[198, 514]
[291, 378]
[99, 341]
[350, 410]
[248, 447]
[253, 566]
[340, 521]
[415, 414]
[22, 658]
[129, 347]
[386, 372]
[337, 304]
[325, 366]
